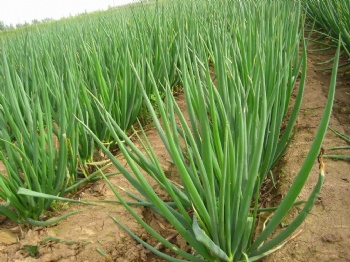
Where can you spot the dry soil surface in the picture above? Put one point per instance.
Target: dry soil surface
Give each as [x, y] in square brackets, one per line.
[325, 235]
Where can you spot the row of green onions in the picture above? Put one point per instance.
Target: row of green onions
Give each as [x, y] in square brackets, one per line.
[233, 136]
[83, 84]
[48, 78]
[332, 17]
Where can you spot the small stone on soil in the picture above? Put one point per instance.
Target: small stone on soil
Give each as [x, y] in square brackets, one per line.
[331, 238]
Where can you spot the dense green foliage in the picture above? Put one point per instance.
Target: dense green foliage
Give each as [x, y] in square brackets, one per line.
[333, 17]
[238, 68]
[70, 88]
[48, 78]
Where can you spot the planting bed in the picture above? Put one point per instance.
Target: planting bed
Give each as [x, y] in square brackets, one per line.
[93, 236]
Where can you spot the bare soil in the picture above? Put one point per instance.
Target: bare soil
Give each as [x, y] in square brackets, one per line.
[325, 235]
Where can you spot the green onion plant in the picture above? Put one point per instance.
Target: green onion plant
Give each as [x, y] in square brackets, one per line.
[232, 138]
[35, 150]
[333, 17]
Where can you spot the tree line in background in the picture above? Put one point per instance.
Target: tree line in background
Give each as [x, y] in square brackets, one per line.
[4, 27]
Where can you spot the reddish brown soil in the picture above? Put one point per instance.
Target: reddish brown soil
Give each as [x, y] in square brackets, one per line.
[325, 235]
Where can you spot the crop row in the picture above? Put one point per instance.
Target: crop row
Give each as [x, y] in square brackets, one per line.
[71, 89]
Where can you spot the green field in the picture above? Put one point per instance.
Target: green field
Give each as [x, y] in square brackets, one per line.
[74, 88]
